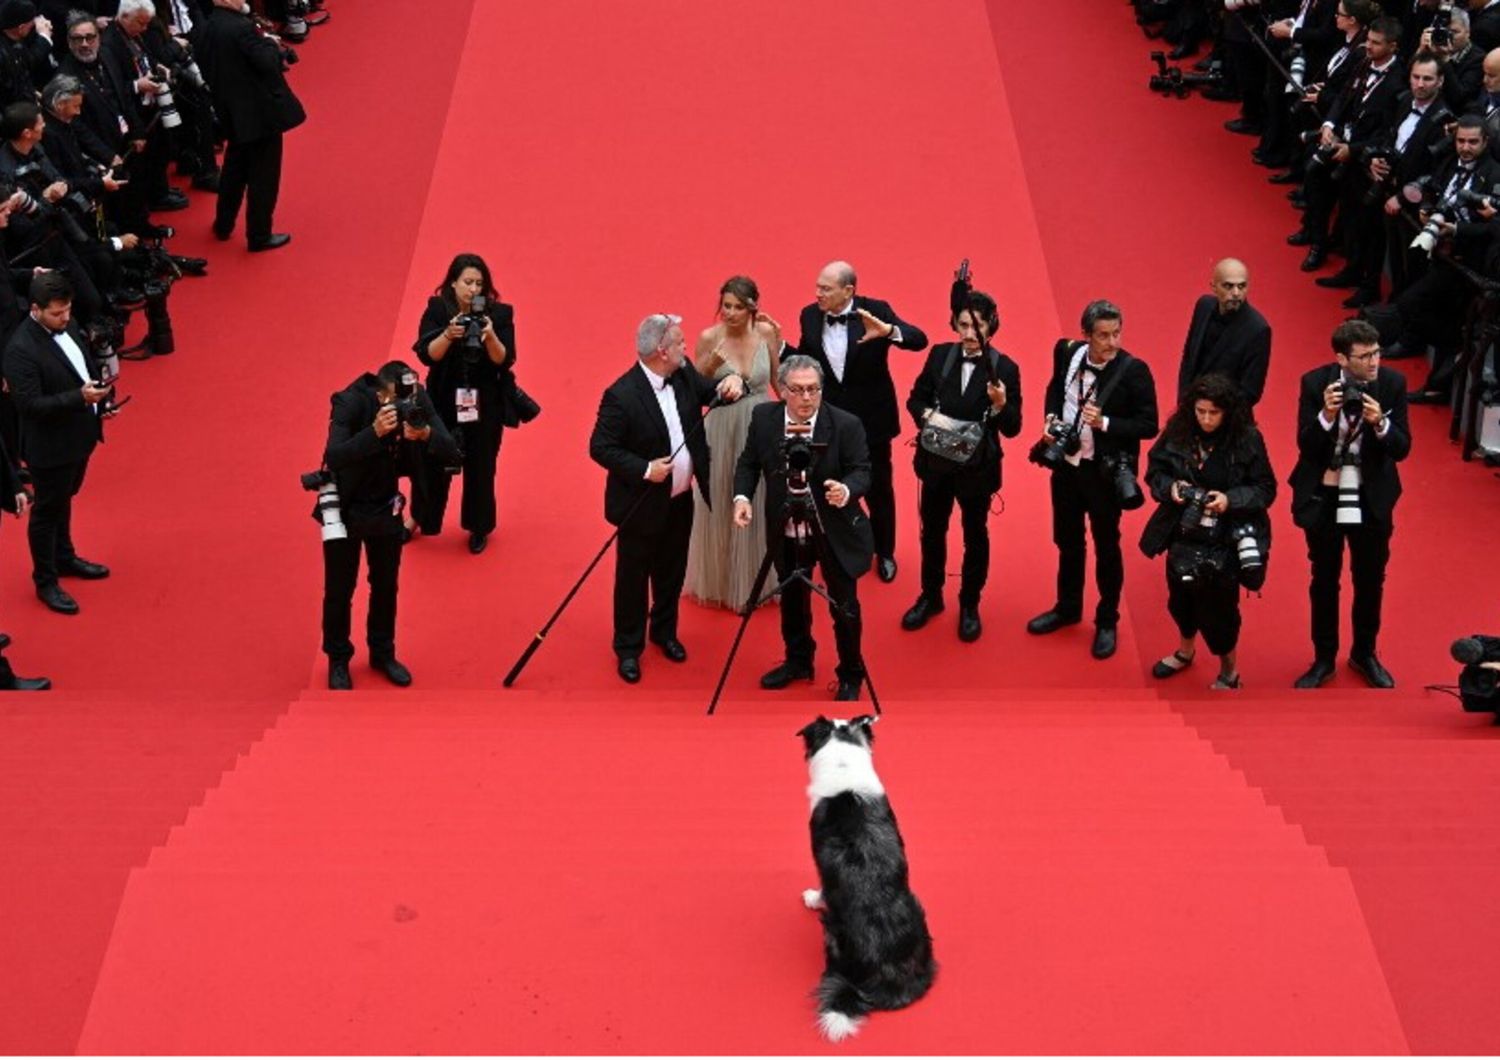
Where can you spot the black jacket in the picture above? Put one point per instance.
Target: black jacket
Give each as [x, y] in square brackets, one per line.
[108, 98]
[1426, 146]
[57, 426]
[243, 67]
[630, 432]
[1130, 404]
[444, 377]
[932, 390]
[1381, 485]
[867, 389]
[846, 459]
[1243, 351]
[367, 467]
[1251, 489]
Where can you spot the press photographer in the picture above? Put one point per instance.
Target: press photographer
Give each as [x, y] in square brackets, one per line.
[467, 340]
[1212, 480]
[1227, 335]
[381, 427]
[1352, 431]
[1101, 404]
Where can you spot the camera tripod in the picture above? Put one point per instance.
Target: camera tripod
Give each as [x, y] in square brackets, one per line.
[799, 523]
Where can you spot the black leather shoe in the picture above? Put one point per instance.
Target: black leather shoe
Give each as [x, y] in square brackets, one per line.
[1243, 127]
[1284, 178]
[848, 691]
[1427, 397]
[1368, 667]
[338, 677]
[1299, 238]
[172, 200]
[1051, 622]
[969, 626]
[4, 641]
[918, 613]
[207, 181]
[25, 684]
[223, 234]
[785, 674]
[271, 242]
[190, 266]
[629, 670]
[672, 648]
[1104, 642]
[82, 568]
[394, 672]
[885, 569]
[478, 543]
[1344, 278]
[1361, 298]
[56, 599]
[1317, 674]
[1316, 255]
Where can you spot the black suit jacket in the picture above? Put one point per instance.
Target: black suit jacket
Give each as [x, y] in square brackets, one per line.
[867, 389]
[1426, 145]
[1130, 405]
[1377, 457]
[1463, 79]
[1243, 351]
[630, 432]
[57, 426]
[846, 459]
[1484, 28]
[107, 98]
[932, 391]
[243, 67]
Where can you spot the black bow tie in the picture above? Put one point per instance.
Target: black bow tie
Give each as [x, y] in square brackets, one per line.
[840, 320]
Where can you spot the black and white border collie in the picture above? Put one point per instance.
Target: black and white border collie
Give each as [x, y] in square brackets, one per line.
[877, 952]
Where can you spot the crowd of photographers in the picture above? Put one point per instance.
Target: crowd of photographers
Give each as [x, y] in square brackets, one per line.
[102, 102]
[1384, 125]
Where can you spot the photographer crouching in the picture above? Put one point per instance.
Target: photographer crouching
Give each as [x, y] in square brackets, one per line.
[382, 426]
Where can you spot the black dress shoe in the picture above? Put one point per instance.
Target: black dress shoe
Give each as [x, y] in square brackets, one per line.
[223, 234]
[1427, 397]
[672, 648]
[271, 242]
[394, 672]
[1316, 255]
[1361, 298]
[478, 543]
[4, 641]
[190, 266]
[1288, 177]
[172, 200]
[78, 567]
[1368, 667]
[885, 569]
[918, 613]
[1243, 127]
[848, 691]
[338, 677]
[1051, 622]
[24, 684]
[1344, 278]
[1104, 642]
[56, 599]
[629, 670]
[785, 674]
[1318, 673]
[207, 181]
[1299, 238]
[969, 626]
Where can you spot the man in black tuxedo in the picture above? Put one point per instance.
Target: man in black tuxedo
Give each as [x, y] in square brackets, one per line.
[1344, 490]
[55, 382]
[837, 477]
[1484, 23]
[973, 382]
[1227, 334]
[1463, 62]
[850, 336]
[15, 500]
[1107, 398]
[649, 436]
[256, 107]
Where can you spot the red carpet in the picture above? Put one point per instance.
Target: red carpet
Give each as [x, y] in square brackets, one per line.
[214, 856]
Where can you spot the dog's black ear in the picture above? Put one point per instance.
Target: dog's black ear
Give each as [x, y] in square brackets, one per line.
[865, 723]
[815, 734]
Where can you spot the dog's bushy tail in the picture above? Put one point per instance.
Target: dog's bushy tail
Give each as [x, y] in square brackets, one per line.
[841, 1007]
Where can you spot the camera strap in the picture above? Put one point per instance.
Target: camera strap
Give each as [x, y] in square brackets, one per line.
[1121, 360]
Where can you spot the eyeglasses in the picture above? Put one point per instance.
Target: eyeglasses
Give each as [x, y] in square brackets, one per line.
[83, 36]
[1364, 356]
[804, 391]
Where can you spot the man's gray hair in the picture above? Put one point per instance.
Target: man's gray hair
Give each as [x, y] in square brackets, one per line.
[651, 333]
[1100, 309]
[1461, 17]
[131, 7]
[797, 362]
[59, 88]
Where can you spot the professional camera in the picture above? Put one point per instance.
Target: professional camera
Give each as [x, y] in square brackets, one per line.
[1196, 522]
[1350, 478]
[1120, 471]
[1297, 67]
[799, 452]
[1474, 200]
[473, 322]
[1478, 685]
[1174, 81]
[164, 101]
[1251, 555]
[1051, 452]
[409, 406]
[66, 214]
[1442, 25]
[1323, 156]
[1378, 189]
[326, 511]
[106, 334]
[1354, 394]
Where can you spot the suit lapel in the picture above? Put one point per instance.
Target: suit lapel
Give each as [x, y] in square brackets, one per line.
[855, 326]
[48, 342]
[822, 435]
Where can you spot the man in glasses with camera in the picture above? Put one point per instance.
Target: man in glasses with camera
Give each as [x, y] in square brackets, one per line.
[1352, 431]
[382, 426]
[1100, 404]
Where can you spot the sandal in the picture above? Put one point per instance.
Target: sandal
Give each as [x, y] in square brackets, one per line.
[1172, 665]
[1225, 684]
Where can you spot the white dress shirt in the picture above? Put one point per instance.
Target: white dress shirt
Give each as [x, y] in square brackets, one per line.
[682, 462]
[1082, 377]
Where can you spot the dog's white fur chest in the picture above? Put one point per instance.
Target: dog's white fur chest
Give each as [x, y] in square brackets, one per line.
[840, 767]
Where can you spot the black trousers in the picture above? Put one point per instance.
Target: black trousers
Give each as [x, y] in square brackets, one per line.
[1208, 606]
[881, 500]
[340, 572]
[1369, 551]
[252, 168]
[938, 499]
[50, 532]
[796, 610]
[650, 569]
[481, 446]
[1078, 492]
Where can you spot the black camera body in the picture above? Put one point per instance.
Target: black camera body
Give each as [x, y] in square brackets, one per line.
[412, 410]
[65, 214]
[313, 481]
[1478, 685]
[1051, 452]
[799, 452]
[1196, 522]
[473, 322]
[1442, 25]
[1119, 469]
[1354, 393]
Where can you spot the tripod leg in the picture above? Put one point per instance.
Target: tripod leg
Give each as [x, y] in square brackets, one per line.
[753, 601]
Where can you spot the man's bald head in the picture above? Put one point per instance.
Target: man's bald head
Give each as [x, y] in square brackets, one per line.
[1230, 284]
[835, 286]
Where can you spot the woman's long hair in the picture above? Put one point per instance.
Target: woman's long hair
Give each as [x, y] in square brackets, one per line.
[743, 288]
[456, 269]
[1225, 393]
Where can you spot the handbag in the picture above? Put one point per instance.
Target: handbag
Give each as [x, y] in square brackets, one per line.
[517, 406]
[954, 442]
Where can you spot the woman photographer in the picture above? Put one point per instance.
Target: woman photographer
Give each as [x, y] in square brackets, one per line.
[469, 347]
[1212, 479]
